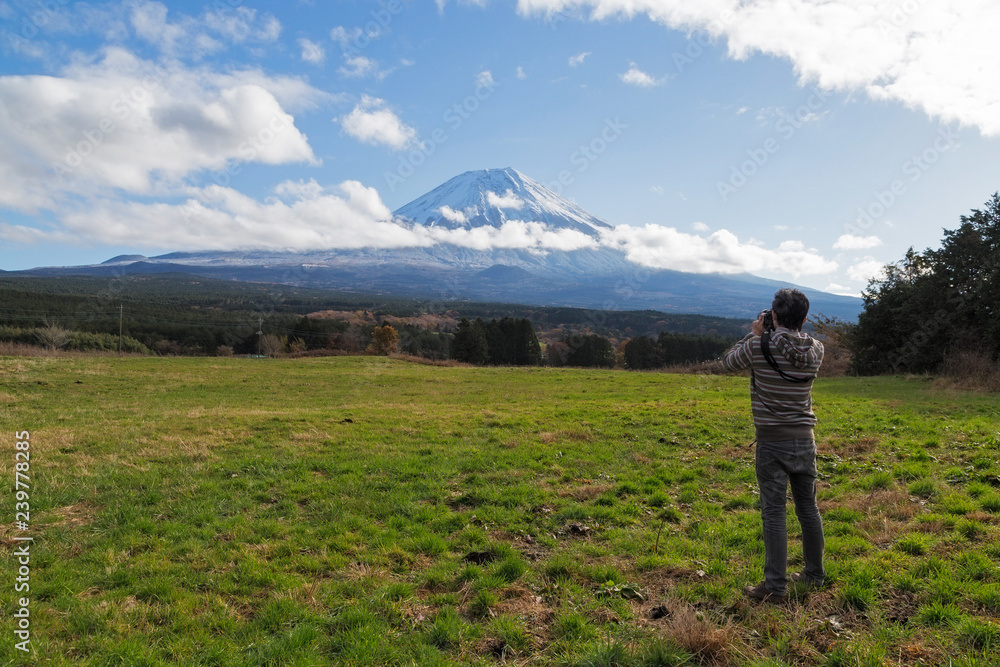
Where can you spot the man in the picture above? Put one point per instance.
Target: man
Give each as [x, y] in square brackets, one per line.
[781, 402]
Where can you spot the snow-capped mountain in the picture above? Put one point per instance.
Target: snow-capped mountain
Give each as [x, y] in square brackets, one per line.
[493, 197]
[498, 199]
[492, 235]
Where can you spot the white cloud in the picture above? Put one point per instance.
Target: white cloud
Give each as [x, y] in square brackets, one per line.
[835, 288]
[940, 57]
[241, 24]
[452, 215]
[220, 218]
[513, 234]
[852, 242]
[24, 235]
[865, 270]
[345, 37]
[577, 60]
[304, 216]
[520, 73]
[291, 190]
[656, 189]
[661, 247]
[129, 124]
[195, 37]
[700, 227]
[507, 200]
[636, 77]
[357, 67]
[312, 52]
[475, 3]
[485, 79]
[149, 21]
[766, 115]
[372, 122]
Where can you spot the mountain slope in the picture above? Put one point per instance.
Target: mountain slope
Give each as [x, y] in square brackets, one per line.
[494, 196]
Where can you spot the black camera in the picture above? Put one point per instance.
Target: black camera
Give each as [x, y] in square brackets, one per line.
[768, 318]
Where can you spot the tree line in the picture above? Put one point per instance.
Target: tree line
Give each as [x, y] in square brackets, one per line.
[672, 349]
[934, 306]
[504, 342]
[180, 314]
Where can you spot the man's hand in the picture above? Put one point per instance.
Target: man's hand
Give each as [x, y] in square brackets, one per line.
[758, 325]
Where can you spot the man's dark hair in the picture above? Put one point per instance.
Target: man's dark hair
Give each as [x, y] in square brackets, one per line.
[791, 307]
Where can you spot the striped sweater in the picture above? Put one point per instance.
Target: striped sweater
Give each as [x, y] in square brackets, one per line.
[782, 410]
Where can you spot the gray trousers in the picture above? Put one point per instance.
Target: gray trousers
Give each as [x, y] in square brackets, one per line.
[778, 465]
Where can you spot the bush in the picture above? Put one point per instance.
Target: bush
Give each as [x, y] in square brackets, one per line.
[54, 337]
[972, 369]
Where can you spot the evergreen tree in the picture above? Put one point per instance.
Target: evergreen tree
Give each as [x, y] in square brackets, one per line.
[590, 350]
[527, 350]
[469, 344]
[642, 353]
[500, 341]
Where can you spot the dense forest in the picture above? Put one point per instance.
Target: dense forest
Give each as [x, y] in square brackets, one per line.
[179, 314]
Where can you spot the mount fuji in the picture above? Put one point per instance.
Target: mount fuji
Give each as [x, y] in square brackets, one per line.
[490, 235]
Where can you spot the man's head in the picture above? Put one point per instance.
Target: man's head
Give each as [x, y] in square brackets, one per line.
[790, 307]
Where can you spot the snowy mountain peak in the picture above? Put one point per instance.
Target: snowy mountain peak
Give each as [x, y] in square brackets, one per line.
[491, 197]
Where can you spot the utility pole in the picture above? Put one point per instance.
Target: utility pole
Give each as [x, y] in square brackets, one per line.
[260, 332]
[121, 316]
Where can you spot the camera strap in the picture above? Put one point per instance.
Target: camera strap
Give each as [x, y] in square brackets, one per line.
[765, 347]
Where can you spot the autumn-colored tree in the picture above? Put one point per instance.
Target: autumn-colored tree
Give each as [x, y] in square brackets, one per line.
[384, 341]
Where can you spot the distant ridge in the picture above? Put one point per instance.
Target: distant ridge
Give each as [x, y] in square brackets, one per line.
[126, 259]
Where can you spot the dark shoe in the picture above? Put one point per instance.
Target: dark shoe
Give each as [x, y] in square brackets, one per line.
[799, 578]
[761, 594]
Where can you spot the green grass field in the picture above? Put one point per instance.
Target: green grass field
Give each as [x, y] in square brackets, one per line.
[368, 511]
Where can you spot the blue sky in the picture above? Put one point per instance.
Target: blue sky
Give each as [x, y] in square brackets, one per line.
[799, 140]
